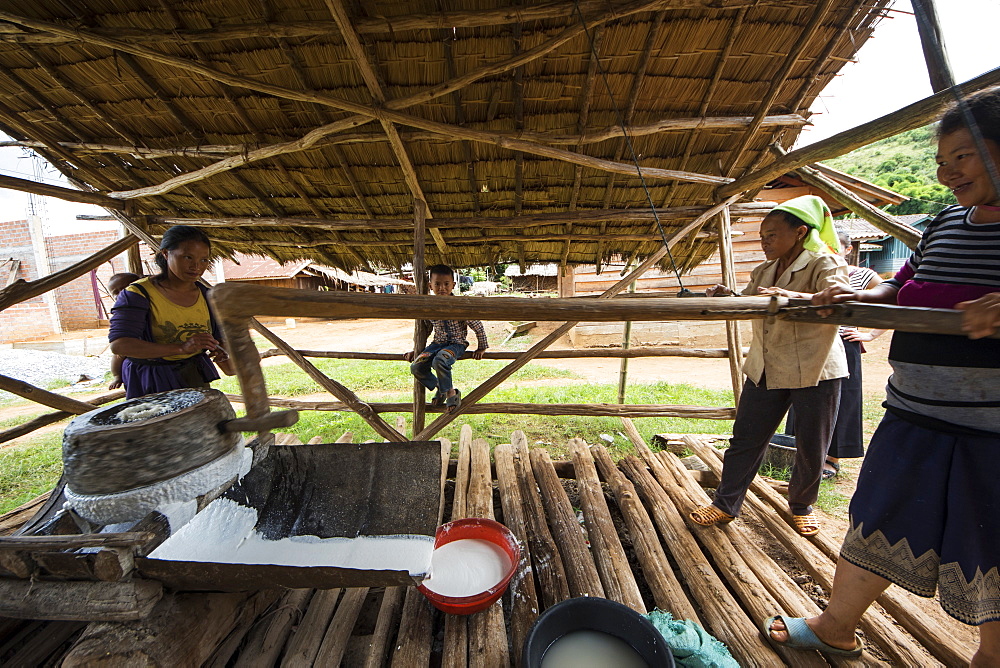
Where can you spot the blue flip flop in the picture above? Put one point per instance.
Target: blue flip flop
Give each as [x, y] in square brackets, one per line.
[800, 636]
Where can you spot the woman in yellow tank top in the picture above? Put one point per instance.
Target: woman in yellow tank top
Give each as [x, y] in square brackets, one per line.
[162, 325]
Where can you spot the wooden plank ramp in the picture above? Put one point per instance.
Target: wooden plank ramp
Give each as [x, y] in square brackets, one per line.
[606, 523]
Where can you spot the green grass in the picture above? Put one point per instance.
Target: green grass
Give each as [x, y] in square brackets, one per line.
[28, 470]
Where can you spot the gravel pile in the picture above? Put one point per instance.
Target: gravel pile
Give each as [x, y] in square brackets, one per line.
[40, 368]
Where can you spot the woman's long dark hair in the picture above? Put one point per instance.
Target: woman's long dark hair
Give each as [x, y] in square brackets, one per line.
[173, 238]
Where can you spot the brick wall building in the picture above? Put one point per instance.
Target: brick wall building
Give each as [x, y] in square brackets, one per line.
[83, 303]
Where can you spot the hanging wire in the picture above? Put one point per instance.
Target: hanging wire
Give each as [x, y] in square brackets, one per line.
[628, 142]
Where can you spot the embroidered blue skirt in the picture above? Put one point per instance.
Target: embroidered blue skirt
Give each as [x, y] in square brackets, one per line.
[926, 515]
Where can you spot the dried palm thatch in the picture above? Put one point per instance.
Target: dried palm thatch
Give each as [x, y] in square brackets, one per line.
[307, 128]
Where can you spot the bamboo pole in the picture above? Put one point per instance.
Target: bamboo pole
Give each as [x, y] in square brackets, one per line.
[910, 117]
[22, 290]
[631, 353]
[733, 341]
[606, 547]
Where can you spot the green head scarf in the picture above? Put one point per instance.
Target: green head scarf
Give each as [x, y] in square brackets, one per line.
[814, 212]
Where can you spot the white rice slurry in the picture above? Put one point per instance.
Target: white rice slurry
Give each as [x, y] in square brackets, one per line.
[224, 533]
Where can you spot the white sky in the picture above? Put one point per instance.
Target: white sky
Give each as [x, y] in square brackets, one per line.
[889, 74]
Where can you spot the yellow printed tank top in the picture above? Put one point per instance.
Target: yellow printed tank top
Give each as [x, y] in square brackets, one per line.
[171, 323]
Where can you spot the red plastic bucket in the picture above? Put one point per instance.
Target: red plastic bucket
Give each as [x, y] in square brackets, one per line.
[478, 528]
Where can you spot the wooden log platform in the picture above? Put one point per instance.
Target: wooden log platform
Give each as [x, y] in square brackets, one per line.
[630, 540]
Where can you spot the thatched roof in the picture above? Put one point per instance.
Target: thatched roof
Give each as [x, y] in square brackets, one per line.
[505, 118]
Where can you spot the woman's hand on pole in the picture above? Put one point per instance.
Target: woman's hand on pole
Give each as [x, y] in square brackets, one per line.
[982, 316]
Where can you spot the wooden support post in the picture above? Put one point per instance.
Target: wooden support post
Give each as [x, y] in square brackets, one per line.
[668, 593]
[712, 596]
[545, 556]
[581, 572]
[487, 633]
[133, 261]
[734, 343]
[626, 344]
[22, 290]
[606, 547]
[267, 639]
[523, 597]
[419, 326]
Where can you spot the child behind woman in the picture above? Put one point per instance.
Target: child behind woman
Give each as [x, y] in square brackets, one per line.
[116, 284]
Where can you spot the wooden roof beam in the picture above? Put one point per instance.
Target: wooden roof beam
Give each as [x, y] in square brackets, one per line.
[67, 194]
[365, 114]
[362, 25]
[749, 209]
[357, 51]
[803, 40]
[720, 64]
[586, 97]
[224, 150]
[909, 117]
[289, 178]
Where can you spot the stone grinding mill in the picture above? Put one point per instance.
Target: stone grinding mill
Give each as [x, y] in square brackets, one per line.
[149, 453]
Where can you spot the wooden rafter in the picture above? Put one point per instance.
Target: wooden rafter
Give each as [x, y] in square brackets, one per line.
[910, 117]
[527, 220]
[221, 151]
[801, 43]
[67, 194]
[374, 25]
[706, 100]
[357, 51]
[365, 113]
[519, 239]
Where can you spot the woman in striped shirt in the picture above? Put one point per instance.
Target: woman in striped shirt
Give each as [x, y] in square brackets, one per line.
[926, 513]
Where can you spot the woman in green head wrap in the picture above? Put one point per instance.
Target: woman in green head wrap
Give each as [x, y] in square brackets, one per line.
[789, 364]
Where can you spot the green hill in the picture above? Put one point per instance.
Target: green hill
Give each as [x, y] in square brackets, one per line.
[904, 163]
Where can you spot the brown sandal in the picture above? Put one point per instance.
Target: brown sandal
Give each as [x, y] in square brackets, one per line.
[707, 516]
[806, 525]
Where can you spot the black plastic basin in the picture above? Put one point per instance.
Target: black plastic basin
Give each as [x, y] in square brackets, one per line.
[596, 614]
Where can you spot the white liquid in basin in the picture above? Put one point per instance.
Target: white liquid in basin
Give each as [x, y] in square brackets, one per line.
[591, 649]
[467, 567]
